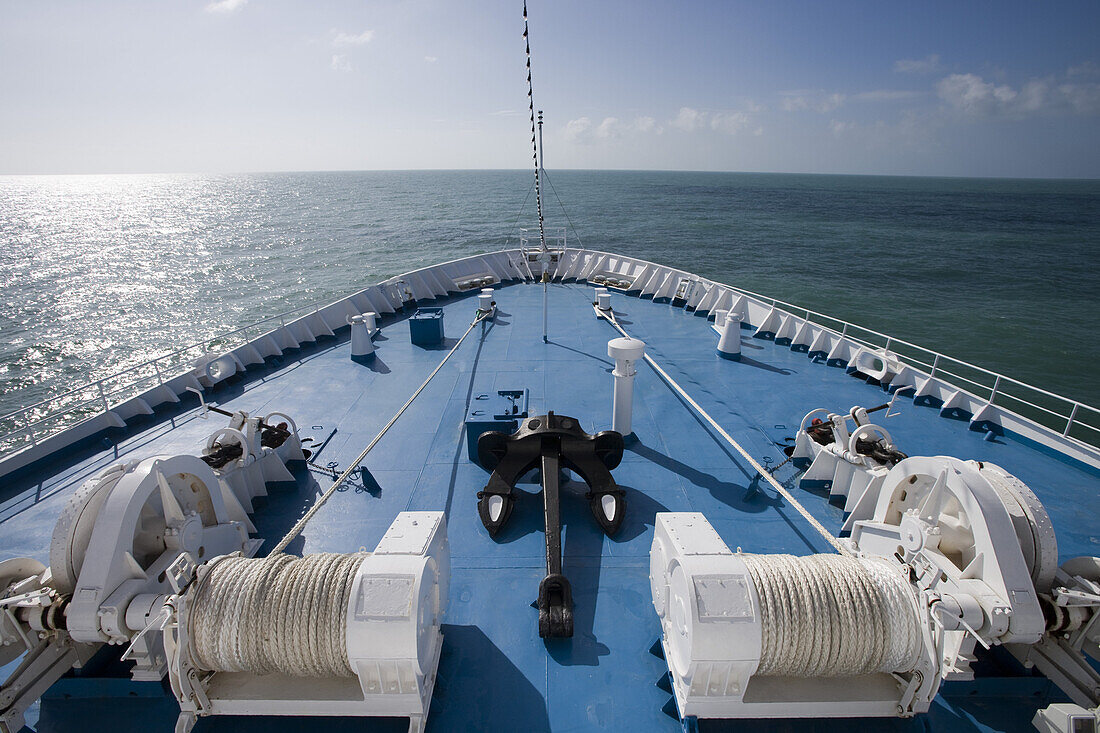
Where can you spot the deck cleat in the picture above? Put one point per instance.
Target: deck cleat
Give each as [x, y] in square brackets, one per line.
[551, 442]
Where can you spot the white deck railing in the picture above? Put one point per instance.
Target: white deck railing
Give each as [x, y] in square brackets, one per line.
[30, 425]
[994, 387]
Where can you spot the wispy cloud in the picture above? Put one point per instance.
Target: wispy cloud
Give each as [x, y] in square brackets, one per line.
[224, 6]
[431, 59]
[928, 65]
[1089, 68]
[610, 127]
[340, 63]
[343, 40]
[803, 100]
[688, 119]
[730, 123]
[973, 96]
[838, 127]
[576, 130]
[887, 95]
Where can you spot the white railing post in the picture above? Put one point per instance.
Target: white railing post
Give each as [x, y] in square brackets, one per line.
[996, 386]
[102, 395]
[1069, 423]
[160, 377]
[935, 364]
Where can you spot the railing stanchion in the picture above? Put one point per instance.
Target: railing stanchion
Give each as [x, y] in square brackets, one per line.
[102, 396]
[1072, 416]
[935, 365]
[996, 386]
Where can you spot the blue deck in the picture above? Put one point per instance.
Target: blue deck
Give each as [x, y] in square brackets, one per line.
[495, 672]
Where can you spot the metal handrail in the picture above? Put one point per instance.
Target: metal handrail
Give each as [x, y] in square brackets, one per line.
[934, 367]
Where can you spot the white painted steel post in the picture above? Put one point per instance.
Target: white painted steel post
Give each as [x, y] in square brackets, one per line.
[625, 351]
[729, 343]
[362, 348]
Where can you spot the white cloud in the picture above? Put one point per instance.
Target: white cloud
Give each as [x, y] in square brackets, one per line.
[817, 101]
[646, 124]
[577, 129]
[927, 65]
[971, 95]
[838, 127]
[688, 119]
[340, 63]
[886, 95]
[431, 59]
[730, 123]
[609, 128]
[224, 6]
[343, 40]
[1089, 68]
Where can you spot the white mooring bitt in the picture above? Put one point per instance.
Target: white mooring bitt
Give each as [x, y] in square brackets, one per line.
[362, 348]
[485, 300]
[625, 351]
[729, 343]
[603, 301]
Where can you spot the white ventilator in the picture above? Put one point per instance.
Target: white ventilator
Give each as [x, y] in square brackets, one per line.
[366, 643]
[625, 351]
[729, 339]
[956, 553]
[363, 329]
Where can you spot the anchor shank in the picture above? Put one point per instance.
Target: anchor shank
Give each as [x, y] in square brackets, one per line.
[551, 505]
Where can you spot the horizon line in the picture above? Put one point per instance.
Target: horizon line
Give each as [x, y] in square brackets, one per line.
[529, 170]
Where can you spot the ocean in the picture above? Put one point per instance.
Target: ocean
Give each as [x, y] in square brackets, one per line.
[98, 273]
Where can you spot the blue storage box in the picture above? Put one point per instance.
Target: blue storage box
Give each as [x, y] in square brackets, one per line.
[501, 411]
[426, 326]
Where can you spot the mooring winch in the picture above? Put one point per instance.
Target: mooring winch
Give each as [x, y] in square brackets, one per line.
[954, 554]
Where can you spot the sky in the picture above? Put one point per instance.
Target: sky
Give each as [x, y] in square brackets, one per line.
[915, 88]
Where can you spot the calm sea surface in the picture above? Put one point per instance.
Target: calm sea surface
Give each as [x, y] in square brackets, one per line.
[101, 272]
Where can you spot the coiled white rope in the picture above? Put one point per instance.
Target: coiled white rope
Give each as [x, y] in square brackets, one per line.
[833, 616]
[280, 614]
[354, 466]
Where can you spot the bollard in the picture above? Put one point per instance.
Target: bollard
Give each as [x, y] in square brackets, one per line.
[485, 301]
[603, 301]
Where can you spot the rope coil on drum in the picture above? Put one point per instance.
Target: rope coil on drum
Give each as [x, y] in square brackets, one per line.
[281, 614]
[834, 616]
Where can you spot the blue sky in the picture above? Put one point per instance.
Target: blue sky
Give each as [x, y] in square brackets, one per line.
[958, 89]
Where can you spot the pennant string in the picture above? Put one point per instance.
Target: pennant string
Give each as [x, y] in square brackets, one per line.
[534, 134]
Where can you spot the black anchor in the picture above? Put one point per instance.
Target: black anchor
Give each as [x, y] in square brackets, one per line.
[549, 442]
